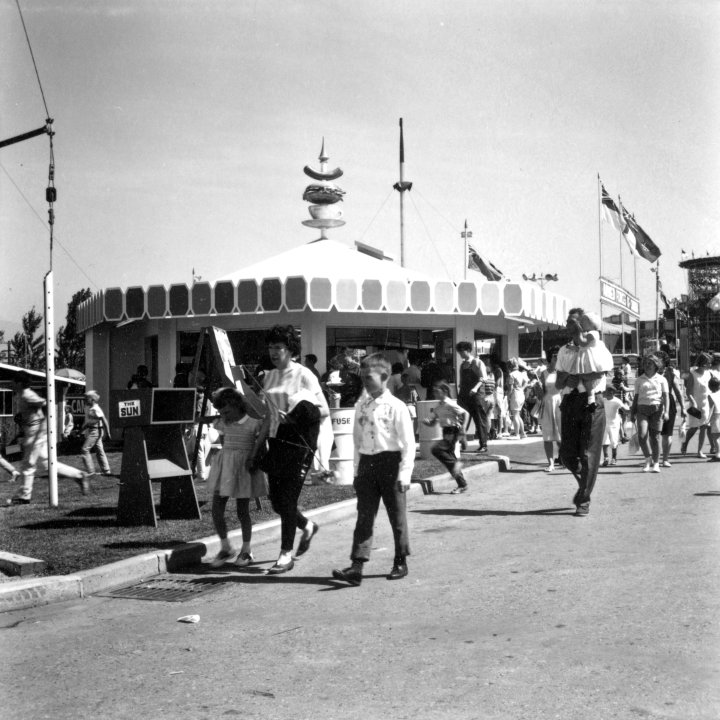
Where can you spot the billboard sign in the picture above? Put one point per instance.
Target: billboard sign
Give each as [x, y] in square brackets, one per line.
[613, 294]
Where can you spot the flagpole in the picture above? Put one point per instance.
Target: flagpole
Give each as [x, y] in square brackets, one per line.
[599, 191]
[657, 305]
[401, 187]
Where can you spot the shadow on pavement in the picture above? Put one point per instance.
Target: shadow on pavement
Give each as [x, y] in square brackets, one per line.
[710, 493]
[551, 512]
[131, 544]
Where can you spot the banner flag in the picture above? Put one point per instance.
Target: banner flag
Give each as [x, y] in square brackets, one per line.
[477, 262]
[611, 211]
[638, 240]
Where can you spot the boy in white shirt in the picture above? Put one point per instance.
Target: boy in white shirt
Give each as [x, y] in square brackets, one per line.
[384, 458]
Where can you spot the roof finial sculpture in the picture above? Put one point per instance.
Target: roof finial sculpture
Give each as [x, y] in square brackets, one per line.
[324, 194]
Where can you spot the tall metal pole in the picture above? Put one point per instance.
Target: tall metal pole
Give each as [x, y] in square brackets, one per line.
[466, 235]
[599, 191]
[657, 305]
[402, 186]
[50, 391]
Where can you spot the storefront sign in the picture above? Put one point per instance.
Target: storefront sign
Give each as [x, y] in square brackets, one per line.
[613, 294]
[129, 408]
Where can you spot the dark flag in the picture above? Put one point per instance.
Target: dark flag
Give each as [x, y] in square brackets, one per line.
[638, 240]
[479, 263]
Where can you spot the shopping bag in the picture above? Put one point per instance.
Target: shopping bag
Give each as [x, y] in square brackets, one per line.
[634, 445]
[682, 431]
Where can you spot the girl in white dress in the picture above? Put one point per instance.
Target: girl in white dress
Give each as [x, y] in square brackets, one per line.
[696, 388]
[233, 473]
[550, 413]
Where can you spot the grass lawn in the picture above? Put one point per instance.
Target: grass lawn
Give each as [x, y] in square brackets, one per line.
[81, 533]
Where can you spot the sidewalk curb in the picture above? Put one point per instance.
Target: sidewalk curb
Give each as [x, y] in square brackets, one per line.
[25, 594]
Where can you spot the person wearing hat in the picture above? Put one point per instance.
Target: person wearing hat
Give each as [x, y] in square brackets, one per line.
[33, 428]
[93, 429]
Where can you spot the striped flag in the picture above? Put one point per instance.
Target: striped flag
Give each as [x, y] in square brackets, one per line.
[611, 211]
[478, 262]
[638, 240]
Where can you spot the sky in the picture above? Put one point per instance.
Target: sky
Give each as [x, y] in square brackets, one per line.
[182, 128]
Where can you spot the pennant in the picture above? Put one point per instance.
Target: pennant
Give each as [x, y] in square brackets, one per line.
[638, 240]
[478, 262]
[611, 211]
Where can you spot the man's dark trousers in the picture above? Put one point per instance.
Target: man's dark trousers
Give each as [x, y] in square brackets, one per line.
[583, 428]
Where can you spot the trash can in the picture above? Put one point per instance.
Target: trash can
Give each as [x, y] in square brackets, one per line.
[428, 434]
[341, 458]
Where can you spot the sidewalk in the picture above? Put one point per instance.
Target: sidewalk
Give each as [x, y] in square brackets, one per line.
[514, 609]
[18, 594]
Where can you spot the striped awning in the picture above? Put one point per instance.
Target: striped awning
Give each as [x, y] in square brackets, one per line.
[323, 278]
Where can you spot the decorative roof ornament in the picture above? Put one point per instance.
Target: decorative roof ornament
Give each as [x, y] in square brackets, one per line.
[324, 194]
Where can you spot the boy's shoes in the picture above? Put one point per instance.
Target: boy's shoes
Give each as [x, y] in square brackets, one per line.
[16, 501]
[244, 559]
[458, 490]
[221, 558]
[665, 463]
[278, 569]
[306, 539]
[582, 510]
[84, 482]
[352, 575]
[702, 455]
[614, 462]
[655, 468]
[606, 462]
[399, 569]
[107, 473]
[482, 449]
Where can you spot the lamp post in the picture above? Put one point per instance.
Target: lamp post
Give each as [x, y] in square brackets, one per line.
[541, 279]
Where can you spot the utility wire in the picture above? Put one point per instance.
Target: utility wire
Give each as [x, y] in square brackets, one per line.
[32, 55]
[364, 232]
[39, 217]
[432, 242]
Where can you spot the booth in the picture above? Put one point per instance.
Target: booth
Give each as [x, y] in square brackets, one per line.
[152, 420]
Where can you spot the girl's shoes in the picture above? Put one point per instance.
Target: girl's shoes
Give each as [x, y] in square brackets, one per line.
[606, 462]
[244, 559]
[648, 465]
[550, 468]
[702, 455]
[665, 463]
[221, 558]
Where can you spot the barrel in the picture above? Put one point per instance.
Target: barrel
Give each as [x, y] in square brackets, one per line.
[341, 458]
[428, 435]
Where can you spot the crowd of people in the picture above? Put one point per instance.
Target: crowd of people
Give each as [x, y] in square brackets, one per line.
[583, 406]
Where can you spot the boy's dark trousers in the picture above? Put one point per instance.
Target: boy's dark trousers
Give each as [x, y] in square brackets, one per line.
[444, 451]
[376, 479]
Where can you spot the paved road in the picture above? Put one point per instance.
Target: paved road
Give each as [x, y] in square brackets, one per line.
[514, 609]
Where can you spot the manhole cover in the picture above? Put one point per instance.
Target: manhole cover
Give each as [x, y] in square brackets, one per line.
[166, 589]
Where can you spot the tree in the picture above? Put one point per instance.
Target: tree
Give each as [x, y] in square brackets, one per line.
[70, 343]
[28, 350]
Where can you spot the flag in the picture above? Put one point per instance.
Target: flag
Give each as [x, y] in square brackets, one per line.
[479, 263]
[610, 210]
[638, 240]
